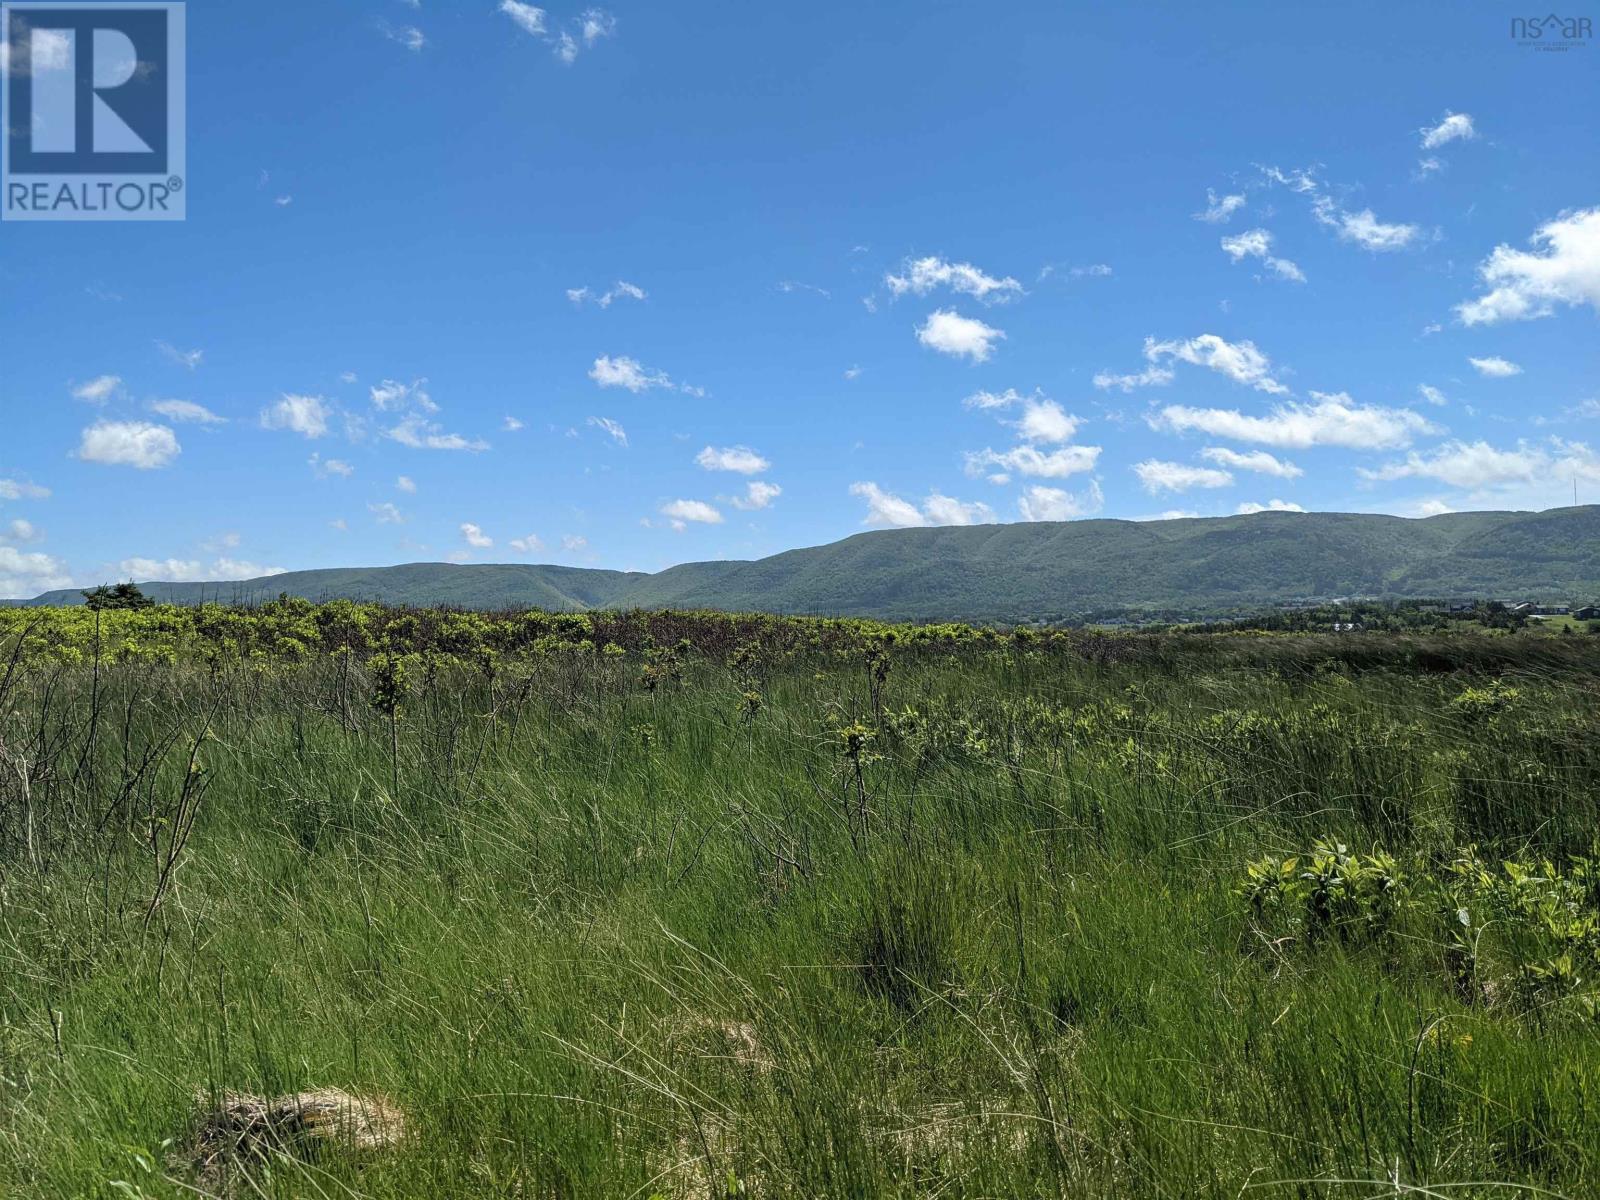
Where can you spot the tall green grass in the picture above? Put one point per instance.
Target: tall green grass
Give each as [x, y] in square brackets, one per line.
[770, 919]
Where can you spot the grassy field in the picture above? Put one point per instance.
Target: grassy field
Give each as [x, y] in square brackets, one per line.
[701, 906]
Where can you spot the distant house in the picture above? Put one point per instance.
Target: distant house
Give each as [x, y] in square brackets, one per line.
[1589, 612]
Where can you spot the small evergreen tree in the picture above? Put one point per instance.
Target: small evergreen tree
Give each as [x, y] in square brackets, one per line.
[121, 595]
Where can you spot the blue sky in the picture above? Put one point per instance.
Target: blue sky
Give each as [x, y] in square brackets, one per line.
[660, 283]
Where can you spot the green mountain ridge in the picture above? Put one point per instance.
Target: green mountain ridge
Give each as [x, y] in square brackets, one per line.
[1042, 570]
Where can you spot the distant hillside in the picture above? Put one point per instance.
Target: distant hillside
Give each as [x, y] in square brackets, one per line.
[1023, 571]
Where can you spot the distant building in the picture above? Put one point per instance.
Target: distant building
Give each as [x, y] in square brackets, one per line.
[1589, 612]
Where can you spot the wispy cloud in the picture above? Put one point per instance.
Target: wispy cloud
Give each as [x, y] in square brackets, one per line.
[1330, 420]
[1219, 208]
[99, 389]
[616, 432]
[1495, 367]
[923, 275]
[1239, 361]
[1158, 476]
[1257, 243]
[741, 459]
[305, 415]
[186, 411]
[184, 358]
[621, 290]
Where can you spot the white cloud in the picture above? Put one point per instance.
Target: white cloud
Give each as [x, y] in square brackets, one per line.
[597, 23]
[923, 275]
[1031, 461]
[330, 466]
[13, 489]
[1239, 361]
[574, 542]
[20, 530]
[617, 432]
[1042, 420]
[1040, 503]
[852, 372]
[1092, 271]
[950, 333]
[186, 410]
[391, 396]
[1562, 268]
[179, 570]
[1432, 394]
[947, 510]
[1249, 507]
[1332, 420]
[1495, 367]
[531, 544]
[408, 36]
[1469, 465]
[1219, 208]
[232, 568]
[732, 458]
[419, 434]
[24, 575]
[885, 508]
[99, 389]
[1151, 376]
[184, 358]
[758, 493]
[625, 372]
[566, 48]
[406, 484]
[387, 513]
[305, 415]
[528, 18]
[223, 541]
[680, 511]
[511, 425]
[1258, 461]
[48, 50]
[990, 400]
[1363, 228]
[1454, 127]
[160, 570]
[475, 536]
[622, 290]
[129, 444]
[1158, 476]
[1257, 243]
